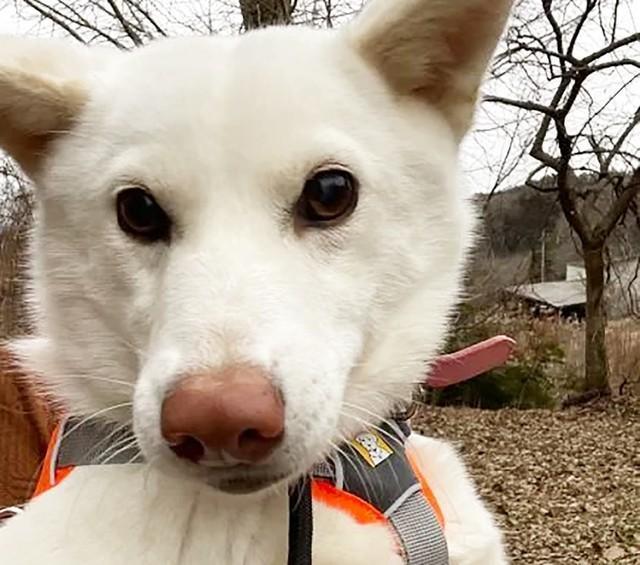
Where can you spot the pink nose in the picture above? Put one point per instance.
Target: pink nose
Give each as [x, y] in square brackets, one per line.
[236, 410]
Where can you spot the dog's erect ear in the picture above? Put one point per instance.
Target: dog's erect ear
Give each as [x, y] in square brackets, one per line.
[42, 90]
[436, 50]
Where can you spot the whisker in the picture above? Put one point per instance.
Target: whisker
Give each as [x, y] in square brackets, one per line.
[349, 459]
[377, 417]
[396, 397]
[95, 415]
[114, 432]
[306, 478]
[116, 445]
[391, 437]
[129, 445]
[133, 458]
[24, 374]
[99, 379]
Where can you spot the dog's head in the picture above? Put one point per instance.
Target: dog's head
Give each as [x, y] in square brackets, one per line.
[248, 246]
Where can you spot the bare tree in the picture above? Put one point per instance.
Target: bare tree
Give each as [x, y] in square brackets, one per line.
[123, 23]
[16, 205]
[572, 66]
[262, 13]
[129, 23]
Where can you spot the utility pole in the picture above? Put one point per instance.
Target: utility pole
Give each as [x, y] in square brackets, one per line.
[543, 259]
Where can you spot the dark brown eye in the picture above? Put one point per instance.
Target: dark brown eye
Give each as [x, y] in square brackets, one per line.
[141, 216]
[328, 197]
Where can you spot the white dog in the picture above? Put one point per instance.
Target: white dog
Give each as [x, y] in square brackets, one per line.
[247, 248]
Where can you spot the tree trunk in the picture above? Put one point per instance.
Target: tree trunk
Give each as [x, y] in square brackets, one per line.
[596, 366]
[262, 13]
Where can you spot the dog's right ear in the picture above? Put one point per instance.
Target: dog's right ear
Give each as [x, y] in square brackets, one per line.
[435, 51]
[43, 88]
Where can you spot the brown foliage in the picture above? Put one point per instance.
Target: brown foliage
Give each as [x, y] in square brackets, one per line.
[563, 484]
[25, 426]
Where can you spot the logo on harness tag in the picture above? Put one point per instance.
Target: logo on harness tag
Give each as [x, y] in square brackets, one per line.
[373, 449]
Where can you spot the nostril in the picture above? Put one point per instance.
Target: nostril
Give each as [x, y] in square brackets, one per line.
[250, 437]
[254, 445]
[188, 447]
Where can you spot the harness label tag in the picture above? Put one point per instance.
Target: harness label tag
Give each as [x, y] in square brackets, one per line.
[372, 448]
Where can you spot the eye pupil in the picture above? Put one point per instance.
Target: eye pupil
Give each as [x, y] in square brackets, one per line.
[141, 216]
[328, 196]
[327, 192]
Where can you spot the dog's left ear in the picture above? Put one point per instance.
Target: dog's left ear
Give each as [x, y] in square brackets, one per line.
[43, 89]
[434, 50]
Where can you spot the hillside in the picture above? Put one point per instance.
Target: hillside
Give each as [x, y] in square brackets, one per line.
[515, 223]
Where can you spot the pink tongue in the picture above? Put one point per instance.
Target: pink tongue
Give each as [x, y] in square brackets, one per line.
[464, 365]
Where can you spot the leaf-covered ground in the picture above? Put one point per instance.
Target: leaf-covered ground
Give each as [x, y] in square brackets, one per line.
[564, 485]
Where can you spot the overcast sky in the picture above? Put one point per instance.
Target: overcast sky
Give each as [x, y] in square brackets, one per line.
[485, 149]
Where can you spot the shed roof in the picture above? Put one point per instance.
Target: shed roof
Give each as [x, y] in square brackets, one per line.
[559, 294]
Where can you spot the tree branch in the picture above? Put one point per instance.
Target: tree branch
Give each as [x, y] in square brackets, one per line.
[126, 26]
[56, 20]
[135, 5]
[612, 64]
[566, 194]
[537, 148]
[625, 134]
[619, 207]
[546, 5]
[523, 104]
[591, 4]
[611, 48]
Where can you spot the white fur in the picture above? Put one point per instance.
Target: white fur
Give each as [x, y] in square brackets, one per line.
[224, 133]
[122, 514]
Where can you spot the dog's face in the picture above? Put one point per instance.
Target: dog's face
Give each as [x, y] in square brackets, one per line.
[284, 200]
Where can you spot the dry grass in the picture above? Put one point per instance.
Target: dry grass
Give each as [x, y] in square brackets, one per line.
[623, 345]
[537, 336]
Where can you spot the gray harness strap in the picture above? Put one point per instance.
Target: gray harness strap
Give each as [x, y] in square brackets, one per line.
[92, 442]
[373, 467]
[420, 533]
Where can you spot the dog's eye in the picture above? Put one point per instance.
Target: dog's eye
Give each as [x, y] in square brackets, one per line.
[141, 216]
[328, 197]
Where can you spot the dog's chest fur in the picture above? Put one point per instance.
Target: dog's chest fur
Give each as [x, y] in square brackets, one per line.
[135, 515]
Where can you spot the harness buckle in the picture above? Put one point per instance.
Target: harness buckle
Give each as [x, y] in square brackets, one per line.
[408, 412]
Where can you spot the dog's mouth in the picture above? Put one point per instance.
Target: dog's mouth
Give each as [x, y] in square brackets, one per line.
[242, 479]
[247, 484]
[235, 479]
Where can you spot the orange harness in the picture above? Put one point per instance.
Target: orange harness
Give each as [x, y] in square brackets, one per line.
[51, 474]
[369, 453]
[323, 491]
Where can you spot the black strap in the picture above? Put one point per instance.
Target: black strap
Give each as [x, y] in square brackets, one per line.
[300, 523]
